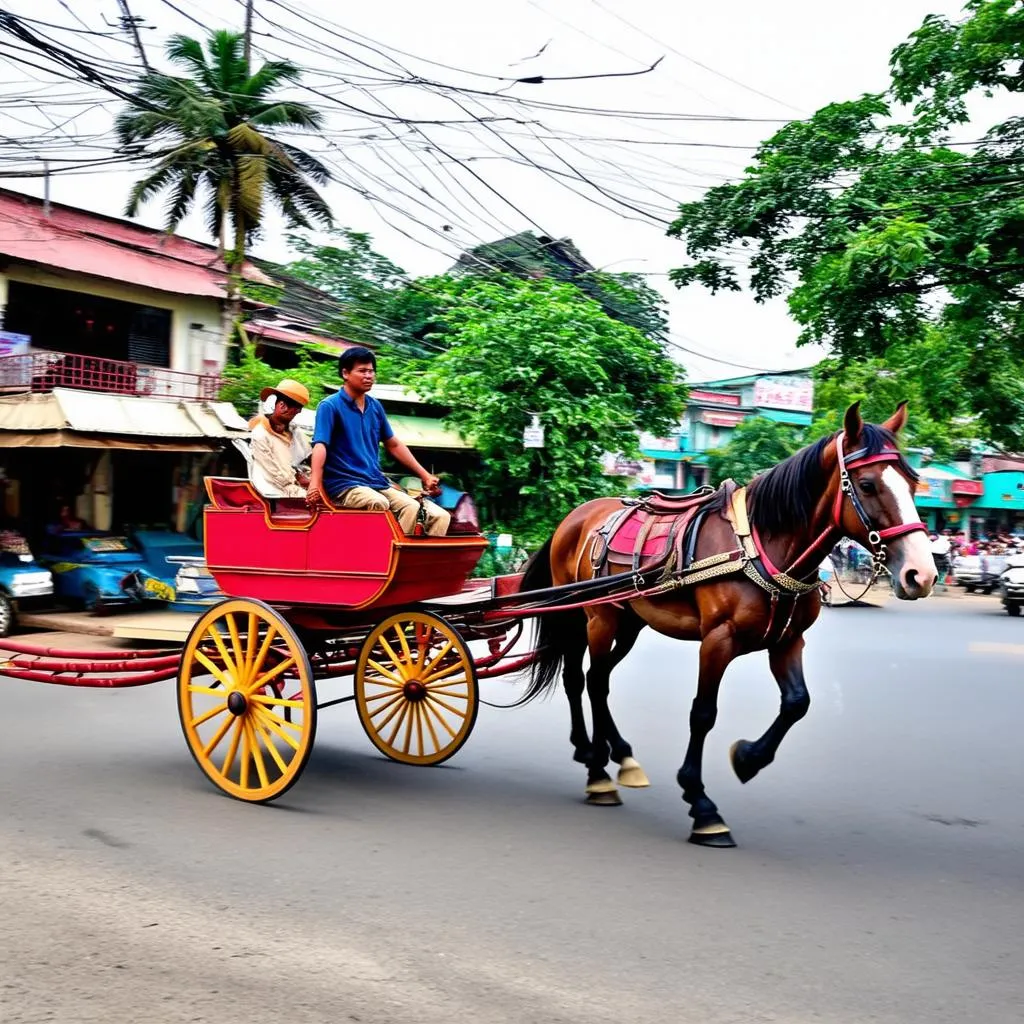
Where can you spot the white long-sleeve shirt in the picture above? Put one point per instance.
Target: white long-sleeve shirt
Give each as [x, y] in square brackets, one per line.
[275, 457]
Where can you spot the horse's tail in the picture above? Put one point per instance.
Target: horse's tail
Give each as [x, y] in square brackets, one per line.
[552, 630]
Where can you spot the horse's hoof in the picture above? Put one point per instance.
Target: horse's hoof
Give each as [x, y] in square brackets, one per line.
[716, 836]
[632, 775]
[610, 798]
[603, 793]
[738, 752]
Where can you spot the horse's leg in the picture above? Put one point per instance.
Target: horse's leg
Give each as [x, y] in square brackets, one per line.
[630, 772]
[574, 641]
[786, 662]
[717, 649]
[602, 626]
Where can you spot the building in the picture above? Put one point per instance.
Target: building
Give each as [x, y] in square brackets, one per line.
[679, 462]
[110, 359]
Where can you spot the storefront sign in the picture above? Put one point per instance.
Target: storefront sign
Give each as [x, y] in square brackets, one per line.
[722, 419]
[714, 397]
[793, 393]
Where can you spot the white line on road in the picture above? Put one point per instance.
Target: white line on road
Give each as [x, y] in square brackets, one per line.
[989, 647]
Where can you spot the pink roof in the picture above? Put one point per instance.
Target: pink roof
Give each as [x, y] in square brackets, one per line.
[90, 243]
[277, 331]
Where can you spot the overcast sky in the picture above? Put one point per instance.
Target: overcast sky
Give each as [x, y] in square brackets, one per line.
[760, 60]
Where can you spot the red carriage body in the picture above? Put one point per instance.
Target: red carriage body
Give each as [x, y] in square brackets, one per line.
[284, 554]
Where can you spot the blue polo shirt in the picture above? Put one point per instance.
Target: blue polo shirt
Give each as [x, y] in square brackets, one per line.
[353, 442]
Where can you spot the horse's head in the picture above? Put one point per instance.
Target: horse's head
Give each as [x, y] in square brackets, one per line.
[879, 507]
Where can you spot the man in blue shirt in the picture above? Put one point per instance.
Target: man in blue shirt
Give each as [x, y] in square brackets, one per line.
[350, 427]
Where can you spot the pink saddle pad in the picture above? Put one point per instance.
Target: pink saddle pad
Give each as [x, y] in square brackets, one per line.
[623, 541]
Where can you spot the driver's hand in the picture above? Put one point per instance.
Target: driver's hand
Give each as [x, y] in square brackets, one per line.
[315, 497]
[431, 485]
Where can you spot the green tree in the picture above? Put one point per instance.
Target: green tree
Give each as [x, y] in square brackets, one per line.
[378, 304]
[755, 445]
[879, 228]
[927, 375]
[626, 297]
[515, 347]
[245, 379]
[220, 131]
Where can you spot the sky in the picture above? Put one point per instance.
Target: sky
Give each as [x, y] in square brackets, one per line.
[438, 189]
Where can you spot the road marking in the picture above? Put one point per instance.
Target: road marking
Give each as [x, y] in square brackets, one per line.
[987, 647]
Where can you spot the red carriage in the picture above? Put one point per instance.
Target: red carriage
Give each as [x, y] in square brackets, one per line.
[320, 595]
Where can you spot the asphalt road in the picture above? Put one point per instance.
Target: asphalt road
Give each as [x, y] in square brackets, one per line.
[880, 873]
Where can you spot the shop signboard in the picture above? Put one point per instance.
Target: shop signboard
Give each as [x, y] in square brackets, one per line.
[791, 393]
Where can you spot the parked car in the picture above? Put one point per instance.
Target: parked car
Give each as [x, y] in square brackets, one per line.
[99, 570]
[1011, 585]
[978, 572]
[23, 581]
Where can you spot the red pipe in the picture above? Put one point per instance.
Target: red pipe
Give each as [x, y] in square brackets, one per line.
[59, 652]
[49, 664]
[101, 682]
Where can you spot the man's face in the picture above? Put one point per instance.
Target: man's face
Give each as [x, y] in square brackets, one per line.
[284, 412]
[361, 377]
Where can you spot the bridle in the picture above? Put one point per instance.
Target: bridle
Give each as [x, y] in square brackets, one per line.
[876, 537]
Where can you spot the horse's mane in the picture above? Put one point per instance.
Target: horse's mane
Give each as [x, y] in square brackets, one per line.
[786, 496]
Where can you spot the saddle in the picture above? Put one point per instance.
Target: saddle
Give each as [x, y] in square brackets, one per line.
[654, 532]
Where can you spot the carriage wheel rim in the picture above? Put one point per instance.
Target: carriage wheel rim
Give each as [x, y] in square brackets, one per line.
[247, 700]
[416, 688]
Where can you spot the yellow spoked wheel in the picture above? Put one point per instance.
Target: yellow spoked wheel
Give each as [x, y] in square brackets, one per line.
[416, 689]
[247, 700]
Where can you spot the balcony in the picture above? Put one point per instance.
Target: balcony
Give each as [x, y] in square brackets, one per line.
[40, 371]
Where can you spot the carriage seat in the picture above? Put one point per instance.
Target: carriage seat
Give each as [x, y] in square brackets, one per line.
[240, 495]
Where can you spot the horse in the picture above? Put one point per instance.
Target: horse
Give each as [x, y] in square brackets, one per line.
[854, 484]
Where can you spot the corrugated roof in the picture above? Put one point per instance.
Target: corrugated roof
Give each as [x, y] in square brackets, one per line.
[90, 412]
[88, 243]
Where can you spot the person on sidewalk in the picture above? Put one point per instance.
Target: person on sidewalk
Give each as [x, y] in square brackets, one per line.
[940, 552]
[350, 428]
[279, 448]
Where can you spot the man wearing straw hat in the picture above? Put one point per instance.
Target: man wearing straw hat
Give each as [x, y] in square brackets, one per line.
[279, 448]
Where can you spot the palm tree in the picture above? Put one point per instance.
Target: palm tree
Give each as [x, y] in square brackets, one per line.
[218, 126]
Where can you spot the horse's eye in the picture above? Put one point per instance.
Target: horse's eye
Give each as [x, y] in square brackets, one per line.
[868, 487]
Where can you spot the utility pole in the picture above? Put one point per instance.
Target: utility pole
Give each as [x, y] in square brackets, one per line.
[248, 34]
[132, 24]
[46, 188]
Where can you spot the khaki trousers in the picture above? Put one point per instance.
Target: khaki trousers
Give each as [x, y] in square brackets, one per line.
[405, 508]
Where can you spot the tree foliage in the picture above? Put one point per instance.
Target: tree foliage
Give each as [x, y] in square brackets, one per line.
[754, 446]
[625, 297]
[880, 228]
[928, 375]
[245, 379]
[515, 347]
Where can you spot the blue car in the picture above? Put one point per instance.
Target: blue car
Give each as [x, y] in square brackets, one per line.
[23, 581]
[101, 570]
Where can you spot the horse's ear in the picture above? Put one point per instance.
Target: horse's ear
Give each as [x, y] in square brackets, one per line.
[898, 420]
[853, 425]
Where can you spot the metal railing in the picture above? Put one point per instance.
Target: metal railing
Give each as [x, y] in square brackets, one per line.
[41, 371]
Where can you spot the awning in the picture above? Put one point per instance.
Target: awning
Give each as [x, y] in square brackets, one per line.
[89, 419]
[797, 419]
[427, 432]
[660, 455]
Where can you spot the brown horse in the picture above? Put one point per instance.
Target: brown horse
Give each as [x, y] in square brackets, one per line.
[855, 484]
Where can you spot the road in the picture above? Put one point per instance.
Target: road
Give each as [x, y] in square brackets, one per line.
[879, 877]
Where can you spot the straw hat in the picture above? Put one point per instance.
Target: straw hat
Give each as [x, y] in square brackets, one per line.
[288, 388]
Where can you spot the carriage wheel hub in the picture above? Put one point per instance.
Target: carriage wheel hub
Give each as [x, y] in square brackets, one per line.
[237, 704]
[414, 690]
